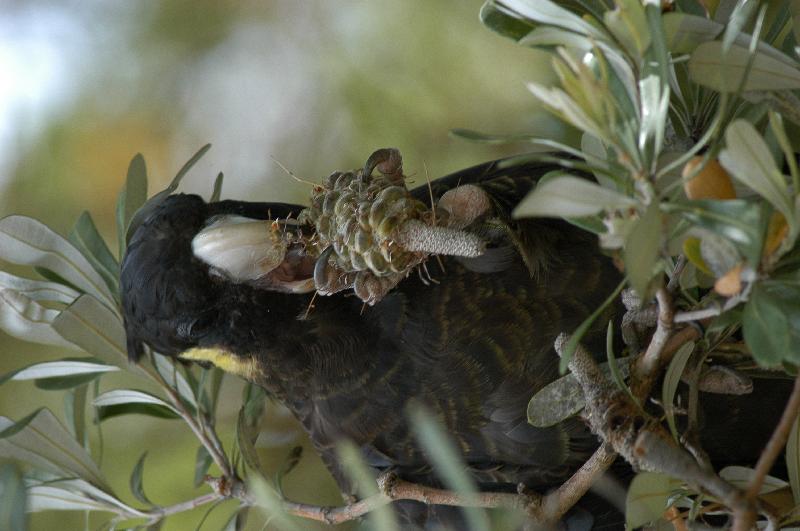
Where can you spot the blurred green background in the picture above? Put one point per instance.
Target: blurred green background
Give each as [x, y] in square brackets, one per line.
[318, 85]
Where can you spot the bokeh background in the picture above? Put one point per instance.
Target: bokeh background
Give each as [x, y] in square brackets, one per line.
[315, 84]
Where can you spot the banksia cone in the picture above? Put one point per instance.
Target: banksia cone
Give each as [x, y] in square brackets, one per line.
[375, 229]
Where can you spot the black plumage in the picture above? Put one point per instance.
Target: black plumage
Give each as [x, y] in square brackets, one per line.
[472, 347]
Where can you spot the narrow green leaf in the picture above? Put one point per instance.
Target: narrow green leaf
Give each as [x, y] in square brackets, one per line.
[141, 214]
[670, 386]
[568, 196]
[245, 438]
[685, 32]
[741, 14]
[577, 335]
[128, 396]
[61, 383]
[363, 477]
[446, 461]
[86, 238]
[202, 462]
[748, 159]
[628, 24]
[150, 410]
[217, 192]
[45, 443]
[131, 197]
[642, 249]
[74, 494]
[168, 370]
[13, 498]
[94, 328]
[136, 481]
[709, 67]
[53, 369]
[75, 413]
[742, 477]
[291, 461]
[26, 241]
[500, 22]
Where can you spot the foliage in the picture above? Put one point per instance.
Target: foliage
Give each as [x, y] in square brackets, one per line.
[690, 134]
[669, 100]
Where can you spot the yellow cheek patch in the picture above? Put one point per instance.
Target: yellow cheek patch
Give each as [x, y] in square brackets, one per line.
[244, 366]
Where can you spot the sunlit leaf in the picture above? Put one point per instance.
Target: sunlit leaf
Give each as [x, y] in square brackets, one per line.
[26, 319]
[26, 241]
[547, 12]
[45, 443]
[38, 290]
[741, 14]
[54, 369]
[670, 386]
[568, 196]
[74, 494]
[654, 108]
[13, 498]
[128, 396]
[500, 21]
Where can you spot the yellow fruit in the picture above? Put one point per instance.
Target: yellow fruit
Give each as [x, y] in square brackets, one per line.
[711, 182]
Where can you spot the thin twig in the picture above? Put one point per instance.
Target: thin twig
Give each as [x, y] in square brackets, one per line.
[711, 311]
[394, 489]
[561, 500]
[744, 520]
[204, 433]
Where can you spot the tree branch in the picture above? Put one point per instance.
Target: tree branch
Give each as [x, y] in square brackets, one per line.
[745, 519]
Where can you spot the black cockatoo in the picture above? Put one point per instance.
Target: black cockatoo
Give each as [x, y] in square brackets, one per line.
[472, 345]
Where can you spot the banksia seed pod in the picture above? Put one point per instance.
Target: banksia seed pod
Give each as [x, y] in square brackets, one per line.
[358, 213]
[370, 231]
